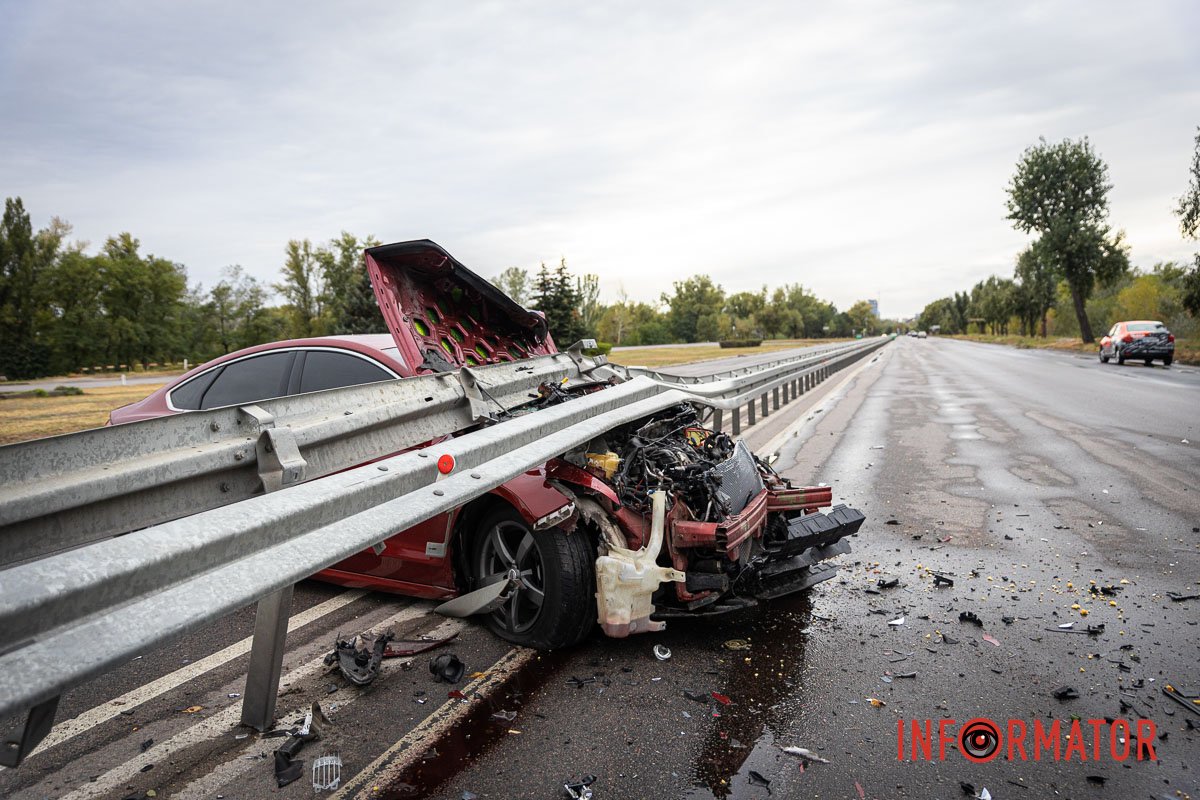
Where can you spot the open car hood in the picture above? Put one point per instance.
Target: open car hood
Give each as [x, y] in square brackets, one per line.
[443, 316]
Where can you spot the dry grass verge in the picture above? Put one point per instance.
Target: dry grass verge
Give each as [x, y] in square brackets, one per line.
[27, 416]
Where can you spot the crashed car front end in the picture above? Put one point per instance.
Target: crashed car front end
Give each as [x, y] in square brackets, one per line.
[690, 522]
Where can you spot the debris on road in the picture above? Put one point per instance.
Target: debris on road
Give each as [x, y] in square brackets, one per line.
[987, 637]
[756, 779]
[887, 583]
[288, 768]
[326, 773]
[358, 658]
[805, 754]
[662, 652]
[941, 580]
[736, 644]
[971, 617]
[447, 668]
[896, 623]
[580, 789]
[1065, 693]
[399, 648]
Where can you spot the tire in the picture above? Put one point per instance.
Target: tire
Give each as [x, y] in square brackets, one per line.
[557, 564]
[1149, 361]
[1103, 358]
[1167, 361]
[1120, 357]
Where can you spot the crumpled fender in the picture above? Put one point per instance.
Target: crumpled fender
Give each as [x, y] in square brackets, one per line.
[534, 497]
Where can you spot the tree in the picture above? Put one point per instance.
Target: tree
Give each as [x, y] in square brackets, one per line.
[1038, 289]
[588, 290]
[349, 301]
[237, 310]
[25, 259]
[556, 297]
[1061, 191]
[862, 317]
[514, 282]
[1188, 212]
[693, 298]
[303, 288]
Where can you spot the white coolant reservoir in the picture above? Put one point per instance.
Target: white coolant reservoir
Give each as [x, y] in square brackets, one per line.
[627, 579]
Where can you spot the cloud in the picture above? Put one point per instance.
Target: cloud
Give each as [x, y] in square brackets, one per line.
[860, 149]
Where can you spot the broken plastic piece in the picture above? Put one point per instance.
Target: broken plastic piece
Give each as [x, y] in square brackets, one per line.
[358, 658]
[756, 779]
[736, 644]
[504, 716]
[971, 617]
[662, 653]
[941, 580]
[875, 701]
[412, 647]
[805, 753]
[580, 789]
[897, 622]
[627, 579]
[887, 583]
[447, 668]
[698, 697]
[1065, 693]
[287, 769]
[987, 637]
[720, 698]
[326, 773]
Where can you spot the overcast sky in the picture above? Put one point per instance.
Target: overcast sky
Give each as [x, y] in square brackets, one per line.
[861, 149]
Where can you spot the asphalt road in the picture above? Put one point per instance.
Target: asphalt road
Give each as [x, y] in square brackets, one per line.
[92, 382]
[1022, 475]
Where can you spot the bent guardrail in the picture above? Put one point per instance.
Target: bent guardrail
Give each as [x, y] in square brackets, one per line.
[127, 594]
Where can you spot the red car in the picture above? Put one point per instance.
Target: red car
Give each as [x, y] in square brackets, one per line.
[576, 540]
[1139, 339]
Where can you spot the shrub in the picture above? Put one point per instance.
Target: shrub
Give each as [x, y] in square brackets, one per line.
[740, 343]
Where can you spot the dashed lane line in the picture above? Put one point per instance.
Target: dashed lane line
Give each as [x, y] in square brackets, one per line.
[103, 713]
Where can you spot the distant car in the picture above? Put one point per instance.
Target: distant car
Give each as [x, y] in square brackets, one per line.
[922, 335]
[1146, 340]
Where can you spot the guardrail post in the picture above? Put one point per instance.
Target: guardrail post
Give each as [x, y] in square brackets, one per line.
[764, 405]
[717, 418]
[737, 421]
[266, 659]
[775, 397]
[749, 413]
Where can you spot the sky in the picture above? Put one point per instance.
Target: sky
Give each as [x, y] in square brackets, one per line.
[861, 149]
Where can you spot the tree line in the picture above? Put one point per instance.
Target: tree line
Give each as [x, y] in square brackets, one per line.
[1075, 278]
[63, 309]
[696, 310]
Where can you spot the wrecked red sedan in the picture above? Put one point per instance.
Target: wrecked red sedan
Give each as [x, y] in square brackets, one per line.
[657, 519]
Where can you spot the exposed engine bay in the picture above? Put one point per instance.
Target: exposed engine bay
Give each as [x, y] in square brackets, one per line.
[691, 522]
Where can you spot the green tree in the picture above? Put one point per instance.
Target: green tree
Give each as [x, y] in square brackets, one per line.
[556, 297]
[862, 317]
[1188, 212]
[142, 298]
[303, 288]
[514, 282]
[1038, 289]
[25, 259]
[587, 288]
[348, 299]
[693, 298]
[1060, 191]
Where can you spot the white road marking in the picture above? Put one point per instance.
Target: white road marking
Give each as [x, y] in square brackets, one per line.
[830, 399]
[207, 787]
[414, 744]
[101, 714]
[220, 723]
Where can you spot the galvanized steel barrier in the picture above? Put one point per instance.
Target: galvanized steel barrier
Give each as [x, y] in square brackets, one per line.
[244, 531]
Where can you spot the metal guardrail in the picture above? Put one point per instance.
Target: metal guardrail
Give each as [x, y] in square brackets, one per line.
[130, 593]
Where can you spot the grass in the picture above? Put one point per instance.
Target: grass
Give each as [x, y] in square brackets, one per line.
[1187, 351]
[670, 356]
[28, 416]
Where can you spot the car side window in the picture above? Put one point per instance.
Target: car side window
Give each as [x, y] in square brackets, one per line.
[187, 396]
[324, 369]
[250, 380]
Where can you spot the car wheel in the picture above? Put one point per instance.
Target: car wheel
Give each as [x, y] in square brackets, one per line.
[553, 602]
[1103, 358]
[1149, 361]
[1120, 356]
[1167, 361]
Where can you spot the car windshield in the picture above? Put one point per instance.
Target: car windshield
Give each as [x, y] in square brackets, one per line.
[1142, 327]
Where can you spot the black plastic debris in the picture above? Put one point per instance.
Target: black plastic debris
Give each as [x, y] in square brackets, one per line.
[1096, 779]
[146, 745]
[948, 640]
[888, 583]
[288, 768]
[699, 697]
[1179, 598]
[756, 779]
[580, 789]
[447, 668]
[941, 580]
[1008, 620]
[892, 522]
[578, 682]
[1065, 693]
[971, 617]
[359, 657]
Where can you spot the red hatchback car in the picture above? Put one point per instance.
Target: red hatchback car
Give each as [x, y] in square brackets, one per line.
[572, 542]
[1139, 339]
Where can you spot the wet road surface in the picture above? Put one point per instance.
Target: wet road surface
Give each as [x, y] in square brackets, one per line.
[1022, 476]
